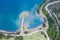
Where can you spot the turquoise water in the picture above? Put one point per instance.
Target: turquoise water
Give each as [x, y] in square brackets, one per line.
[10, 10]
[33, 21]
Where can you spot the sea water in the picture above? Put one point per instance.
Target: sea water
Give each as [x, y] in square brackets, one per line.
[33, 21]
[10, 11]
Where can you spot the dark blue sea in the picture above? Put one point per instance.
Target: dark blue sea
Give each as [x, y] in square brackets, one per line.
[10, 10]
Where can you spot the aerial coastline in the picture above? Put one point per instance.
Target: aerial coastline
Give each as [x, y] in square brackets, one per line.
[45, 28]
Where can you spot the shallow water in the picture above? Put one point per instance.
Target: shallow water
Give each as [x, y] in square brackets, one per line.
[10, 10]
[33, 21]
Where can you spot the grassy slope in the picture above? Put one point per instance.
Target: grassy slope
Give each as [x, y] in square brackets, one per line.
[36, 36]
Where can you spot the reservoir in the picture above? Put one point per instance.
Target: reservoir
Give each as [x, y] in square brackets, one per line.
[10, 11]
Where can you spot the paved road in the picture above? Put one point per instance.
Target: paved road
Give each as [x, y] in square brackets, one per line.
[52, 14]
[42, 14]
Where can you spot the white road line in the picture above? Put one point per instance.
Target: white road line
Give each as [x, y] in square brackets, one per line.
[34, 33]
[37, 30]
[52, 14]
[41, 14]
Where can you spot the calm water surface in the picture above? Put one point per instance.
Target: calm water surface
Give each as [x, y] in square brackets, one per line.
[10, 10]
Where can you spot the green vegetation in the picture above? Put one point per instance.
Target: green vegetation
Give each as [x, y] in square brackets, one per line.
[56, 10]
[44, 25]
[26, 32]
[52, 31]
[1, 35]
[52, 0]
[19, 38]
[36, 36]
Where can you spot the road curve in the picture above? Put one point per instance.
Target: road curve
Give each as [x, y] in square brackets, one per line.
[52, 14]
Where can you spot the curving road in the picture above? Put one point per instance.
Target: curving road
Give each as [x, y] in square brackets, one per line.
[42, 14]
[45, 29]
[52, 14]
